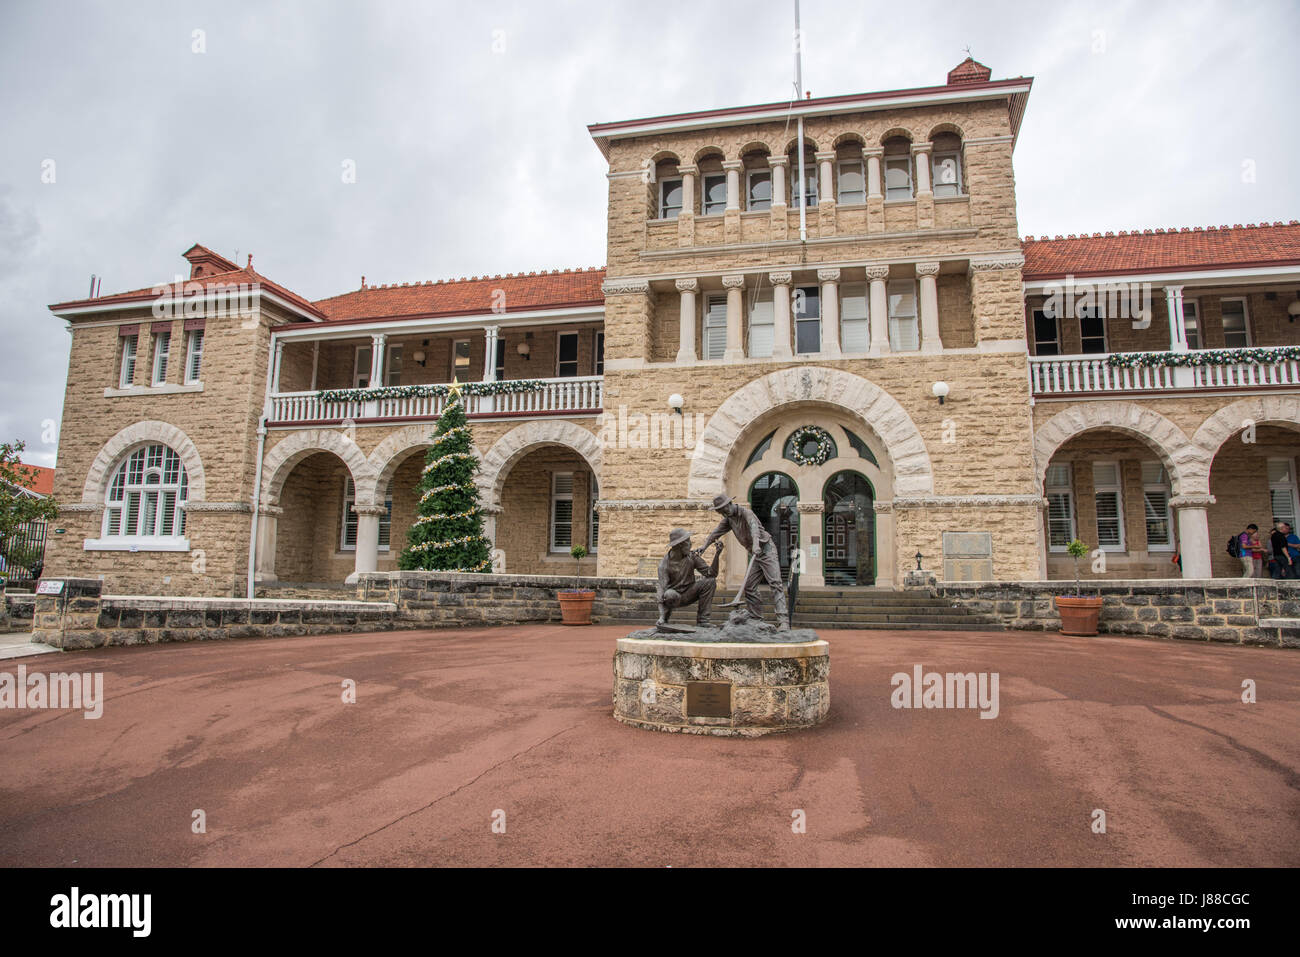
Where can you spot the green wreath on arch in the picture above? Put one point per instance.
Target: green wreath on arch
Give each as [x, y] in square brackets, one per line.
[801, 436]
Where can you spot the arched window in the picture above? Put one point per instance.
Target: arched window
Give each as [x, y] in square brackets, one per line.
[898, 168]
[146, 495]
[775, 500]
[947, 165]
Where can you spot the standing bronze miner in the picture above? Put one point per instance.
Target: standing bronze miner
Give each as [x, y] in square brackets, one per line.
[764, 565]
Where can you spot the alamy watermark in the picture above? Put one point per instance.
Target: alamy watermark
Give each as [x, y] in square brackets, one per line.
[1074, 299]
[56, 691]
[931, 689]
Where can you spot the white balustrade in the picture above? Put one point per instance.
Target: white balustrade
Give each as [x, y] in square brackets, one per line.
[555, 397]
[1075, 375]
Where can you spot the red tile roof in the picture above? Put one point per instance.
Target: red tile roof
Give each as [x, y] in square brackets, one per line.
[1162, 250]
[515, 292]
[969, 70]
[42, 482]
[215, 281]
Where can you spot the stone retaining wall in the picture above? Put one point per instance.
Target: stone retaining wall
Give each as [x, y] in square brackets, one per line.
[1192, 609]
[18, 610]
[432, 599]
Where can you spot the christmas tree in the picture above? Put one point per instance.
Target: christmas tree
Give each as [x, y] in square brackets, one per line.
[447, 535]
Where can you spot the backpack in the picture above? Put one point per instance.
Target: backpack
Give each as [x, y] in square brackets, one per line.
[1234, 546]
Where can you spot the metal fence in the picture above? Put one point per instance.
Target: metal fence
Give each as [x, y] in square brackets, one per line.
[22, 555]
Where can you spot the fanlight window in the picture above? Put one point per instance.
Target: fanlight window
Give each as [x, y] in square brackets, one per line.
[146, 495]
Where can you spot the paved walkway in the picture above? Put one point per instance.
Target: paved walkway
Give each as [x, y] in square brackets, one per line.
[20, 645]
[450, 726]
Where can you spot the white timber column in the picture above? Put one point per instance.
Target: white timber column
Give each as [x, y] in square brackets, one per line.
[733, 168]
[930, 341]
[830, 280]
[1177, 328]
[780, 314]
[778, 164]
[812, 574]
[686, 354]
[879, 310]
[266, 542]
[377, 346]
[368, 536]
[921, 160]
[490, 335]
[874, 186]
[1194, 534]
[826, 178]
[735, 286]
[315, 362]
[275, 374]
[688, 174]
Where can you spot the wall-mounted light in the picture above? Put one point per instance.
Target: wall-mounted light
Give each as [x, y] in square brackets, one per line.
[1293, 310]
[418, 356]
[940, 390]
[523, 349]
[675, 402]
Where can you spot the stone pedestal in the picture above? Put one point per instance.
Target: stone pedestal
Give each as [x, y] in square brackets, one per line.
[734, 689]
[68, 618]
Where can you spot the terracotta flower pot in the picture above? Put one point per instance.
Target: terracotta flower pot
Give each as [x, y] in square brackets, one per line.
[1078, 614]
[575, 607]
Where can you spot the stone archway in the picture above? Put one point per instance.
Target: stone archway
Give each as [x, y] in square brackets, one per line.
[151, 431]
[1228, 421]
[1188, 466]
[519, 441]
[400, 445]
[284, 455]
[913, 474]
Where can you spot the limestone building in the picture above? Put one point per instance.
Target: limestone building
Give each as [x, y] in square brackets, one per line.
[885, 371]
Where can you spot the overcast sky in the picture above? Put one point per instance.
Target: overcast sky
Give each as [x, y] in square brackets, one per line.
[467, 125]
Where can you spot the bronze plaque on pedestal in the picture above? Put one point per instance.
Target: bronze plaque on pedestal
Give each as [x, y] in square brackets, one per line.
[708, 699]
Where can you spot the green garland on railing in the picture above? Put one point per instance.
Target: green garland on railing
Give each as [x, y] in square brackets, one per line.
[1203, 357]
[507, 387]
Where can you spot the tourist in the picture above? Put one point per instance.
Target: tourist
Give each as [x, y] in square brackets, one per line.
[1246, 544]
[1292, 549]
[1281, 564]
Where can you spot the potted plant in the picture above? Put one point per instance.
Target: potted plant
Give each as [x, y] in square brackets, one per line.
[1079, 612]
[575, 603]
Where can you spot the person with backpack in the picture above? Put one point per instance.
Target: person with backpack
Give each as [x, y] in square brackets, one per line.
[1244, 546]
[1280, 565]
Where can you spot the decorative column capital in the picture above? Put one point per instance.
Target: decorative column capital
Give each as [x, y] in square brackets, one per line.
[687, 285]
[778, 161]
[919, 148]
[780, 278]
[825, 156]
[691, 170]
[370, 509]
[624, 287]
[877, 273]
[1173, 292]
[729, 165]
[733, 282]
[873, 152]
[828, 275]
[927, 269]
[379, 338]
[1192, 500]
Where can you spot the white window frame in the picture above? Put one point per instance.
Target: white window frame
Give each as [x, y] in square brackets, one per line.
[935, 160]
[552, 522]
[749, 190]
[705, 179]
[456, 369]
[858, 290]
[897, 158]
[121, 486]
[1060, 489]
[914, 317]
[598, 353]
[1245, 319]
[162, 347]
[812, 183]
[856, 166]
[499, 360]
[577, 370]
[1056, 322]
[710, 299]
[361, 374]
[795, 320]
[1167, 489]
[1118, 490]
[1287, 485]
[194, 356]
[393, 365]
[1192, 324]
[1099, 312]
[664, 185]
[350, 518]
[129, 353]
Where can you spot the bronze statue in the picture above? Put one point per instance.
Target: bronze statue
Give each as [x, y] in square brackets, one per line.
[678, 585]
[764, 565]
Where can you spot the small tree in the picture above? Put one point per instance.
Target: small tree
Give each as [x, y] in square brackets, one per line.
[19, 506]
[579, 552]
[447, 535]
[1077, 550]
